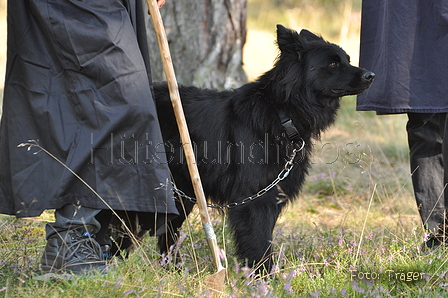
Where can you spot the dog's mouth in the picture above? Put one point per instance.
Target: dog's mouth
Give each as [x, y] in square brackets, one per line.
[344, 92]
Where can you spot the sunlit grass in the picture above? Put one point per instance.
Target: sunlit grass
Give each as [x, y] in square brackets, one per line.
[322, 246]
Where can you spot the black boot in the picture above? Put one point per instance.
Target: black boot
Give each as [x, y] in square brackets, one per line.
[73, 251]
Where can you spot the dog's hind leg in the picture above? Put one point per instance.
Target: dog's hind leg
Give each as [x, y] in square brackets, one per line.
[252, 226]
[167, 240]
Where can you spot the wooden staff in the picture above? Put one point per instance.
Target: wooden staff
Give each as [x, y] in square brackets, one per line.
[216, 280]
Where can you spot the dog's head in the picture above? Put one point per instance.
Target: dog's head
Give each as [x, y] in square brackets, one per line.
[324, 66]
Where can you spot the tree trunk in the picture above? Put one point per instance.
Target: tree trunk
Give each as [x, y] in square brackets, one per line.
[206, 39]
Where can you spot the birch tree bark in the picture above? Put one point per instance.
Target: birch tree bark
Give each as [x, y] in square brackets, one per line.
[206, 39]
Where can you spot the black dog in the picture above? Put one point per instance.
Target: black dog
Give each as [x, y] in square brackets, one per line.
[245, 137]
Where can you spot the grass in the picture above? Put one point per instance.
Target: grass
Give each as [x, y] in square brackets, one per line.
[353, 232]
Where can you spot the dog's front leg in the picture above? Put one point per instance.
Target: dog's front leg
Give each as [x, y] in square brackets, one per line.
[167, 240]
[252, 226]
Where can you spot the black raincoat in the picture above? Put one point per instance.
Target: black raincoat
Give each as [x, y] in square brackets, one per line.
[78, 84]
[405, 43]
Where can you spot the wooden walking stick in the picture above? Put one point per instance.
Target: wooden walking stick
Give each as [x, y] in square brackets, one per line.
[216, 280]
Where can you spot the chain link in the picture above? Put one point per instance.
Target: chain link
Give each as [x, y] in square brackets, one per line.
[281, 176]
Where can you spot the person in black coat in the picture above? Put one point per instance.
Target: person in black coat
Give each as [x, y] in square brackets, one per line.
[406, 44]
[78, 84]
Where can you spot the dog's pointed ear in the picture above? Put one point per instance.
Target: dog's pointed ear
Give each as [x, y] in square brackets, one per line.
[309, 36]
[288, 40]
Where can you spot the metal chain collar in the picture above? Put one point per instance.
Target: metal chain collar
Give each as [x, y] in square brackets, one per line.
[281, 176]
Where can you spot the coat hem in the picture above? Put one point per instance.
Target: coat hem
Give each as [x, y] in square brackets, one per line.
[387, 111]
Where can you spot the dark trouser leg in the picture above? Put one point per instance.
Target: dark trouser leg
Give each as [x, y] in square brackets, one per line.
[425, 137]
[72, 217]
[104, 217]
[126, 236]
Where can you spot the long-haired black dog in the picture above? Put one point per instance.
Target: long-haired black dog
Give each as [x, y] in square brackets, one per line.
[244, 137]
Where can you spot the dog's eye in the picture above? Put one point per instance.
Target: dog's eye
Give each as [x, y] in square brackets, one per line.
[333, 64]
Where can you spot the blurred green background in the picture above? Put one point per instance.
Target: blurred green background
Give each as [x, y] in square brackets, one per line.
[337, 21]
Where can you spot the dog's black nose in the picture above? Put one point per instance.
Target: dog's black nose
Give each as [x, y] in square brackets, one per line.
[368, 76]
